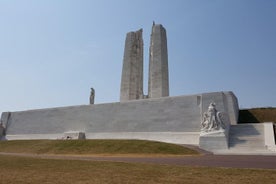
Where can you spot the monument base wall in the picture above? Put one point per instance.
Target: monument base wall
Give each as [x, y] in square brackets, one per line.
[214, 141]
[168, 119]
[169, 137]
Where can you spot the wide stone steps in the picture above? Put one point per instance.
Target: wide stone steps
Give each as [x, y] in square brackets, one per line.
[247, 139]
[247, 136]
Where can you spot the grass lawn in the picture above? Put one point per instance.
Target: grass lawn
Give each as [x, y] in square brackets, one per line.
[33, 170]
[92, 147]
[257, 115]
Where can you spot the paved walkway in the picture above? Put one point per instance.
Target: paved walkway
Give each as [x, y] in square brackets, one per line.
[208, 160]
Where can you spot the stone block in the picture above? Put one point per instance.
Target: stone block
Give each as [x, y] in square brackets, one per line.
[73, 135]
[214, 141]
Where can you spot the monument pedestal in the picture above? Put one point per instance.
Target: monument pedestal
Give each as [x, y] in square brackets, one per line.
[214, 140]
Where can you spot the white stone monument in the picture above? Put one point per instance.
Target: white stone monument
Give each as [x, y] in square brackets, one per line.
[212, 121]
[2, 130]
[132, 72]
[92, 96]
[158, 84]
[214, 129]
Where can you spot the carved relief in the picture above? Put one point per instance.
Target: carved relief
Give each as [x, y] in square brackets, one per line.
[212, 120]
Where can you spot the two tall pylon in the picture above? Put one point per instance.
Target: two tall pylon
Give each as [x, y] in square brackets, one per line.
[132, 73]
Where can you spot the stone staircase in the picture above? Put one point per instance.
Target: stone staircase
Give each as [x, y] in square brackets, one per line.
[247, 139]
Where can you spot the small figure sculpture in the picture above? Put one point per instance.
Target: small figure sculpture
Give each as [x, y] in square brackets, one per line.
[2, 129]
[92, 96]
[212, 120]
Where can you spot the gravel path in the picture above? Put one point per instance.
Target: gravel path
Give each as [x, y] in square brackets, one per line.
[208, 160]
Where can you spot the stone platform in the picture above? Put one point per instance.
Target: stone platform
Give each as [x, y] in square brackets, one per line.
[168, 119]
[250, 139]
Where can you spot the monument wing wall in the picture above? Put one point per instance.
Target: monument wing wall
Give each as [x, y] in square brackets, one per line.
[136, 119]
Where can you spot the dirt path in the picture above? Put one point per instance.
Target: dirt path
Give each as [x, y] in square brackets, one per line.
[234, 161]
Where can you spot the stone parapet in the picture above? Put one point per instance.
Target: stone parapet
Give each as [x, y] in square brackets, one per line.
[150, 116]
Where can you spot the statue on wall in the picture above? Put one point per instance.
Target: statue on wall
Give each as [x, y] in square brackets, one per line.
[92, 96]
[4, 123]
[212, 120]
[2, 129]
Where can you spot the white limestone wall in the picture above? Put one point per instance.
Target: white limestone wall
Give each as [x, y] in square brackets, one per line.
[169, 137]
[269, 136]
[169, 119]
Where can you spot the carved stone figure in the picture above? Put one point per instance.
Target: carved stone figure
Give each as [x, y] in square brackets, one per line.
[212, 120]
[2, 130]
[4, 123]
[92, 96]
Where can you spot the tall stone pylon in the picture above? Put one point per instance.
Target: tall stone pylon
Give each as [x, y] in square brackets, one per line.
[132, 73]
[158, 84]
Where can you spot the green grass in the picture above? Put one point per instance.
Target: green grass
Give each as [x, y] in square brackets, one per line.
[33, 170]
[257, 115]
[90, 147]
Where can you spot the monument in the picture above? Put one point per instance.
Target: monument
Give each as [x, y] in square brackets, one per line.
[214, 129]
[158, 83]
[132, 73]
[212, 120]
[92, 96]
[208, 120]
[2, 130]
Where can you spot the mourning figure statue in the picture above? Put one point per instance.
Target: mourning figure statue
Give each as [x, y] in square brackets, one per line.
[92, 96]
[2, 129]
[212, 120]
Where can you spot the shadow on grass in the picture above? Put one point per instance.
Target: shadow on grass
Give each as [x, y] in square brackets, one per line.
[246, 116]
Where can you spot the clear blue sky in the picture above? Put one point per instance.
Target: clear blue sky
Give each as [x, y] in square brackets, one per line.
[53, 51]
